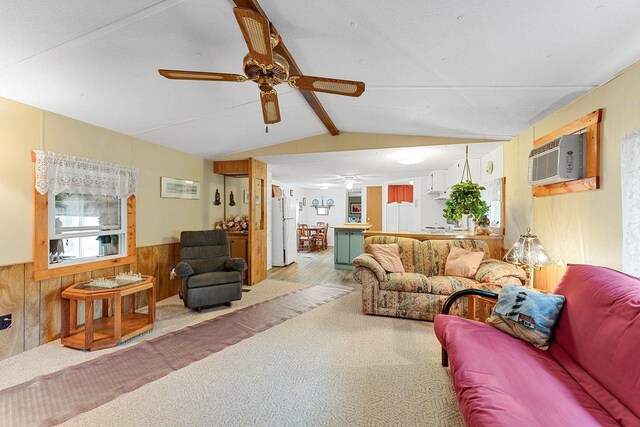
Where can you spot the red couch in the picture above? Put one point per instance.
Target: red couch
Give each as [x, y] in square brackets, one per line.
[589, 377]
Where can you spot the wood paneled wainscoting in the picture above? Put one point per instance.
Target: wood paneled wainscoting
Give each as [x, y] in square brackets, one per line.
[35, 305]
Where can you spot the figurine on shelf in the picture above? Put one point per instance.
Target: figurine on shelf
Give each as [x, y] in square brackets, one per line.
[232, 202]
[217, 201]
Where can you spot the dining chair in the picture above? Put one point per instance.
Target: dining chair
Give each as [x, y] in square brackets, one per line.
[304, 236]
[320, 238]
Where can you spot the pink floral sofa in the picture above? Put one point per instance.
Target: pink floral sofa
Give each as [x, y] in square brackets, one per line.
[421, 291]
[589, 377]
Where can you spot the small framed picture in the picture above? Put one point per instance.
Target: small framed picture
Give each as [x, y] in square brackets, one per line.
[304, 201]
[355, 208]
[174, 188]
[291, 193]
[245, 196]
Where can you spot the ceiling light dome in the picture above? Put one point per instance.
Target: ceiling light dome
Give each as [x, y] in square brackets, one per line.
[411, 160]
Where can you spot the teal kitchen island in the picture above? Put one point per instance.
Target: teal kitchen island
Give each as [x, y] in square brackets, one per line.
[348, 244]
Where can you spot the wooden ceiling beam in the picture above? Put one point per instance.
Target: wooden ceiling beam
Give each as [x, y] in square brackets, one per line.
[281, 49]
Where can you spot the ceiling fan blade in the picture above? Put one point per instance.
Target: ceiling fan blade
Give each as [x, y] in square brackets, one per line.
[270, 109]
[200, 75]
[322, 84]
[255, 30]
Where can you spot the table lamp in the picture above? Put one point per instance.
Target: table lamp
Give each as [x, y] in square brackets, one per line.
[528, 253]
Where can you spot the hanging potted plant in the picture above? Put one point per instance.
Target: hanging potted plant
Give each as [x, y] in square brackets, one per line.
[465, 199]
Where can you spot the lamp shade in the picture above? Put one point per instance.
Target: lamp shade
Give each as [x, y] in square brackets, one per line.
[528, 251]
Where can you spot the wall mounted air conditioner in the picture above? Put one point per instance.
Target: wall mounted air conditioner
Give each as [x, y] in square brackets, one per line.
[557, 161]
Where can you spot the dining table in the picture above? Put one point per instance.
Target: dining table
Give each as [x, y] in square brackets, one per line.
[313, 230]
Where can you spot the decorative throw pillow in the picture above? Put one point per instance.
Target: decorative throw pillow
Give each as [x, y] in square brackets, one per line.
[527, 314]
[388, 256]
[462, 263]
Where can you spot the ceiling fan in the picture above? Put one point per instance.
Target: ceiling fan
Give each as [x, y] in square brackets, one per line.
[267, 68]
[347, 180]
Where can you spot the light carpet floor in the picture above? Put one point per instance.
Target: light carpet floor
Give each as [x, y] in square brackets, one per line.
[330, 366]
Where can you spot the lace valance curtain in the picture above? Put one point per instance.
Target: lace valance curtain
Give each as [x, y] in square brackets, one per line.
[493, 190]
[630, 182]
[61, 173]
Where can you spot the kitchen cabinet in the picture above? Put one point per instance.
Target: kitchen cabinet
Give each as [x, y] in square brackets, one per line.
[454, 173]
[348, 244]
[401, 217]
[436, 181]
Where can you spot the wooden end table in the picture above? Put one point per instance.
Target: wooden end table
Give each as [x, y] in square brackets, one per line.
[484, 307]
[109, 330]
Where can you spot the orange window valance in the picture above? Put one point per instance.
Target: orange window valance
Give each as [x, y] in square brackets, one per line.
[400, 193]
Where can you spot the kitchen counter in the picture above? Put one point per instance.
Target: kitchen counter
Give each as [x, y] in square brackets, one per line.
[353, 226]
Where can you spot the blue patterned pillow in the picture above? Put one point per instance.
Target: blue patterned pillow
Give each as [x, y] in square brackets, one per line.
[527, 314]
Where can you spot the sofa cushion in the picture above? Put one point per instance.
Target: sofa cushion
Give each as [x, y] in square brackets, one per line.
[502, 381]
[388, 256]
[419, 283]
[406, 282]
[428, 257]
[599, 330]
[526, 314]
[435, 253]
[447, 285]
[410, 251]
[462, 263]
[214, 278]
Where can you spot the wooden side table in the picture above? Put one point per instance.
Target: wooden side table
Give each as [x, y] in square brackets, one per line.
[483, 309]
[109, 330]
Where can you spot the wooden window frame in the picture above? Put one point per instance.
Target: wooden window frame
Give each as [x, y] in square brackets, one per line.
[41, 270]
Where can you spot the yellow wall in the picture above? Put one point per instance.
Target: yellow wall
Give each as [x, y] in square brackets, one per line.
[24, 128]
[578, 227]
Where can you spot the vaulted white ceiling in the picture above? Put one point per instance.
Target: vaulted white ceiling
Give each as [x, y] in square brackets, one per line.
[457, 68]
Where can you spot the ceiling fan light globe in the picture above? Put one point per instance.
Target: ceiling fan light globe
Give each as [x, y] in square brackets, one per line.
[411, 161]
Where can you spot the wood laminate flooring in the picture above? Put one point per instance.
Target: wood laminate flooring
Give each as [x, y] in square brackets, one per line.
[314, 268]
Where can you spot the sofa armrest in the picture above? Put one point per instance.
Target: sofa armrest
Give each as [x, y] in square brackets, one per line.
[452, 299]
[183, 269]
[236, 264]
[368, 261]
[496, 271]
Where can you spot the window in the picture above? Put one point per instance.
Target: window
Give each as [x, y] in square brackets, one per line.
[85, 227]
[85, 215]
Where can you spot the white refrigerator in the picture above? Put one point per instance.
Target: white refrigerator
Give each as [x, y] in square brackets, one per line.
[284, 237]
